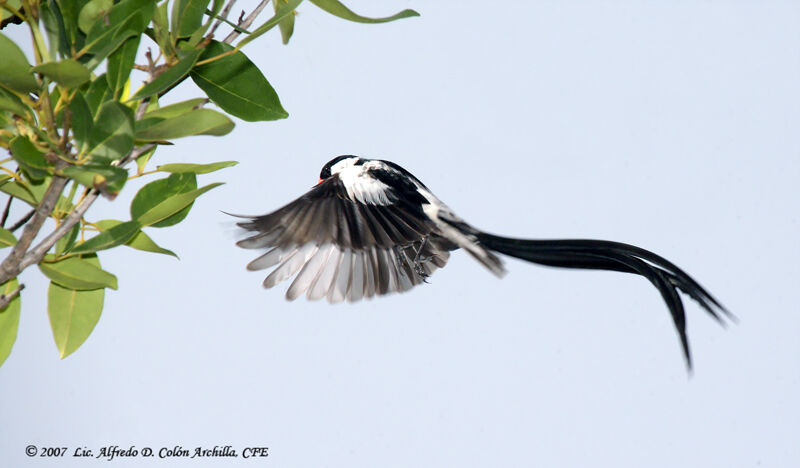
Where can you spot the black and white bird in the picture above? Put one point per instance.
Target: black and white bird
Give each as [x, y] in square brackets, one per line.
[370, 228]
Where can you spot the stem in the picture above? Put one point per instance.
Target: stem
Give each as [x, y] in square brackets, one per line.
[247, 21]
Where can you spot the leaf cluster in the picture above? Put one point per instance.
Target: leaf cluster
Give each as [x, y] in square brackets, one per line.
[83, 117]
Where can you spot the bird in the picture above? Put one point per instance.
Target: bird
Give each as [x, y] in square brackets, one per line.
[369, 228]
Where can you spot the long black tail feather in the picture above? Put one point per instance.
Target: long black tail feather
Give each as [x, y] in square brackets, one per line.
[616, 256]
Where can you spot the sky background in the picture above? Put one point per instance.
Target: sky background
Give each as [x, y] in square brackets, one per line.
[669, 125]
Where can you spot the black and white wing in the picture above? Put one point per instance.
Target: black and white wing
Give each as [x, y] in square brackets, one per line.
[347, 246]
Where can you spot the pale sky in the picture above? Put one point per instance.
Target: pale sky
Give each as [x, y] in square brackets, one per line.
[669, 125]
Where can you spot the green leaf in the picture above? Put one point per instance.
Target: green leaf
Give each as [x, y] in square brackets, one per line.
[112, 133]
[164, 211]
[113, 237]
[158, 191]
[161, 28]
[195, 168]
[78, 273]
[236, 85]
[17, 190]
[66, 242]
[140, 241]
[109, 179]
[93, 11]
[73, 316]
[120, 64]
[176, 109]
[82, 121]
[286, 25]
[14, 5]
[336, 8]
[7, 239]
[50, 14]
[98, 93]
[126, 19]
[9, 320]
[70, 11]
[29, 157]
[284, 9]
[196, 122]
[14, 68]
[169, 77]
[144, 158]
[187, 16]
[68, 73]
[13, 104]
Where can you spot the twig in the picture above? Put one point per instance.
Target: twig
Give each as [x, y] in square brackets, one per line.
[223, 15]
[22, 221]
[244, 24]
[6, 299]
[5, 212]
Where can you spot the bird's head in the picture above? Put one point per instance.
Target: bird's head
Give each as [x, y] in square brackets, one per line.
[336, 165]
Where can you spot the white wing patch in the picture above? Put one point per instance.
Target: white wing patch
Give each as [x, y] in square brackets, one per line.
[364, 188]
[339, 274]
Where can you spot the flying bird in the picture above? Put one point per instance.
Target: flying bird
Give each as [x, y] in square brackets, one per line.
[370, 228]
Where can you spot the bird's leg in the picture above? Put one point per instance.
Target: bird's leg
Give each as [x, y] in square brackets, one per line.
[418, 259]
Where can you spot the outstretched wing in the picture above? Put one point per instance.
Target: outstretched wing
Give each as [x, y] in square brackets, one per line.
[371, 241]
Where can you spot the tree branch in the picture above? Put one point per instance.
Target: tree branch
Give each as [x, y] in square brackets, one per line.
[247, 21]
[10, 267]
[223, 15]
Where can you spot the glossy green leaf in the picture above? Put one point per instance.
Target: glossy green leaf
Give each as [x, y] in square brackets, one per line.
[120, 64]
[336, 8]
[7, 239]
[29, 157]
[169, 77]
[68, 73]
[93, 11]
[161, 28]
[9, 320]
[14, 67]
[78, 273]
[13, 104]
[158, 191]
[17, 190]
[286, 25]
[70, 11]
[112, 132]
[196, 122]
[163, 212]
[140, 241]
[236, 85]
[187, 16]
[126, 19]
[50, 14]
[82, 121]
[284, 9]
[98, 93]
[176, 109]
[144, 158]
[109, 179]
[113, 237]
[180, 168]
[66, 242]
[73, 316]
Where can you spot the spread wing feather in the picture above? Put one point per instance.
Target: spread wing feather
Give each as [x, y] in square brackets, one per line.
[342, 249]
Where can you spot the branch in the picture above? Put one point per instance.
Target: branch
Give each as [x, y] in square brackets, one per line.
[222, 17]
[6, 299]
[11, 267]
[37, 253]
[247, 21]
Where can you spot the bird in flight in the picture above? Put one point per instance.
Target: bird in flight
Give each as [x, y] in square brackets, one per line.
[370, 228]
